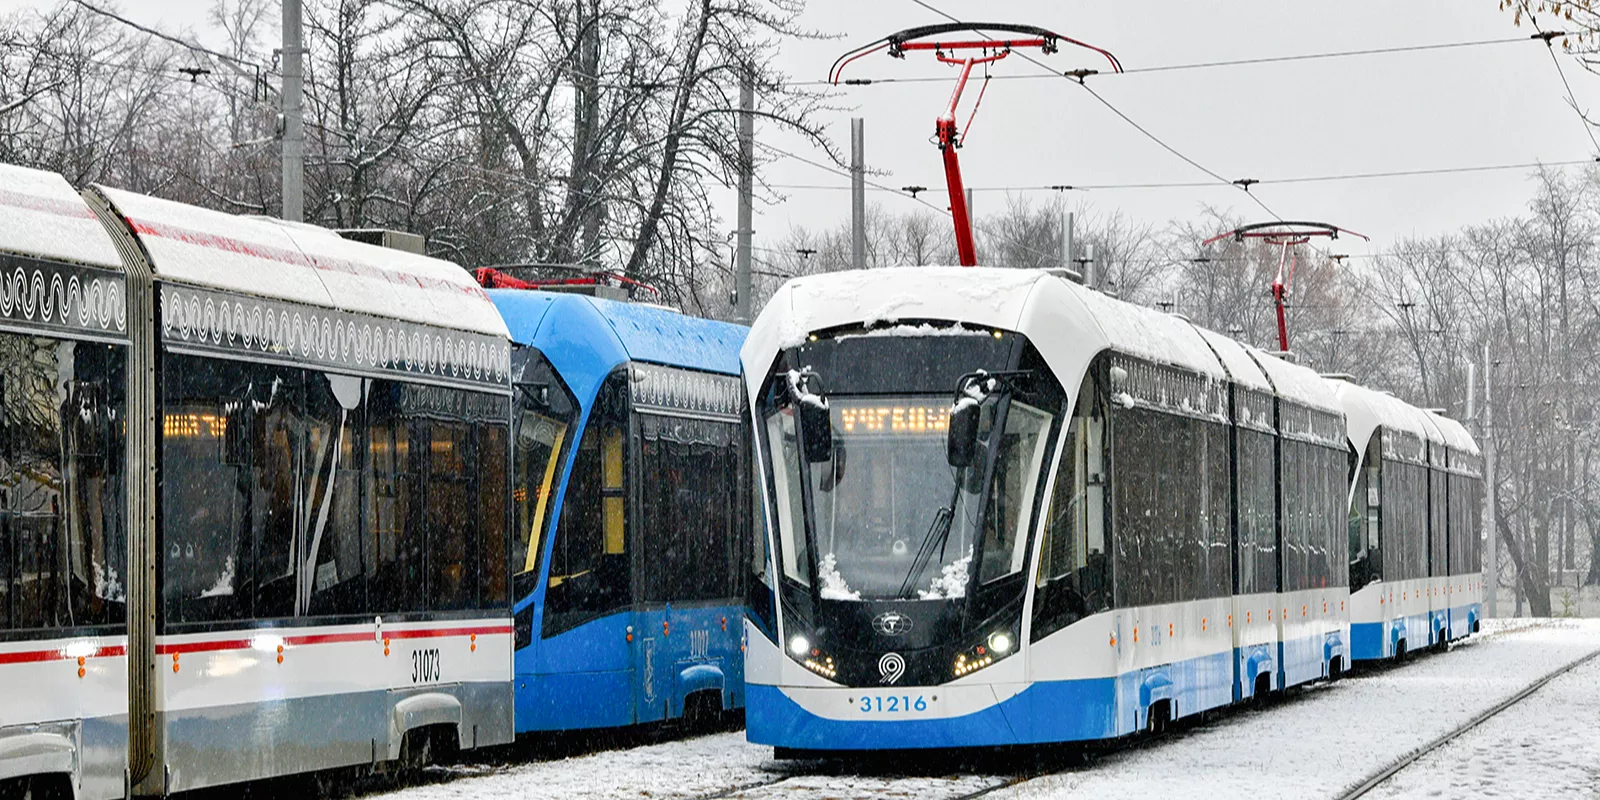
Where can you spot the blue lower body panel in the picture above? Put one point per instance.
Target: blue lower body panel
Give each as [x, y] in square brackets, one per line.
[1373, 641]
[574, 700]
[1048, 711]
[633, 667]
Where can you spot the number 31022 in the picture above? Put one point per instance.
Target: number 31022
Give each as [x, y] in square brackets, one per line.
[425, 665]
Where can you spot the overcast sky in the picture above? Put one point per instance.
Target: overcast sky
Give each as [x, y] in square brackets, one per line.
[1495, 104]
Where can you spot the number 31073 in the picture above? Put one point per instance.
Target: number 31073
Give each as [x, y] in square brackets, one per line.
[425, 665]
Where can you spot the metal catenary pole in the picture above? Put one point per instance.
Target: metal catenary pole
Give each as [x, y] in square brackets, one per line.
[1491, 560]
[858, 193]
[294, 132]
[747, 138]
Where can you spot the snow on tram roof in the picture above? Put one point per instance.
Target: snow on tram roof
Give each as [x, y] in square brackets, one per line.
[976, 295]
[1455, 434]
[303, 263]
[1241, 367]
[43, 217]
[1367, 409]
[1295, 382]
[1148, 333]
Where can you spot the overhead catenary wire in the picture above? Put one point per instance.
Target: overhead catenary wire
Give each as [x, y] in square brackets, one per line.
[1146, 132]
[1195, 65]
[188, 45]
[1352, 176]
[1572, 99]
[883, 188]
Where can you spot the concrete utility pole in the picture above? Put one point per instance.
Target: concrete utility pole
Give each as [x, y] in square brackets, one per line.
[294, 129]
[747, 169]
[858, 193]
[1066, 242]
[1491, 558]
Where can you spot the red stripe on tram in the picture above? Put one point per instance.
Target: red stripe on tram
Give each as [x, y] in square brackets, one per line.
[58, 654]
[297, 258]
[331, 638]
[48, 205]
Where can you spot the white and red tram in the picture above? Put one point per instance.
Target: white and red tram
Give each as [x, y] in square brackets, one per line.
[252, 498]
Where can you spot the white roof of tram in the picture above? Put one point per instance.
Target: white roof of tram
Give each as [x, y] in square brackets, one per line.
[1295, 382]
[42, 216]
[1455, 434]
[1366, 409]
[1241, 367]
[304, 264]
[1066, 321]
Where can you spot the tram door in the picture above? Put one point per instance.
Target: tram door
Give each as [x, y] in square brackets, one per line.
[588, 637]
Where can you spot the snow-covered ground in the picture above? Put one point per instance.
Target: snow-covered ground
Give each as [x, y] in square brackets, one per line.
[1331, 738]
[1317, 743]
[1548, 745]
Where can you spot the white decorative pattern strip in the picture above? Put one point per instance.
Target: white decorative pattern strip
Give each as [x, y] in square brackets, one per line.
[214, 320]
[670, 388]
[62, 296]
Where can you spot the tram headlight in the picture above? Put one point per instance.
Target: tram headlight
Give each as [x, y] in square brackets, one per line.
[811, 657]
[997, 645]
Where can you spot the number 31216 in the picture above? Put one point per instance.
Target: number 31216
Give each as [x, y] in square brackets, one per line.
[893, 704]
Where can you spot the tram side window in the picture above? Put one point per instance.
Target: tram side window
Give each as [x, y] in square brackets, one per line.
[760, 596]
[1335, 473]
[589, 567]
[492, 514]
[788, 501]
[1135, 459]
[334, 423]
[1297, 498]
[1019, 468]
[1257, 512]
[1074, 571]
[208, 489]
[1439, 532]
[395, 530]
[62, 540]
[1216, 533]
[689, 512]
[1405, 505]
[452, 529]
[1171, 509]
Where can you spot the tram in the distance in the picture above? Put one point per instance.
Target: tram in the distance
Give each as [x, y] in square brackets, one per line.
[632, 514]
[1005, 509]
[1415, 526]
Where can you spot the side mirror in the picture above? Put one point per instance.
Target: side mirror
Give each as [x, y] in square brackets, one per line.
[961, 441]
[816, 427]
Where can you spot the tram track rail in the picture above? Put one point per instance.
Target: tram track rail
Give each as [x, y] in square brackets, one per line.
[1382, 776]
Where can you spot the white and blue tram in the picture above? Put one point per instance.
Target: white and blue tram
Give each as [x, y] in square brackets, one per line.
[1004, 509]
[253, 483]
[1414, 526]
[631, 486]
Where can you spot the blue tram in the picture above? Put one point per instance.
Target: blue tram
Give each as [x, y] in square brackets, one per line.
[1004, 509]
[1416, 494]
[630, 493]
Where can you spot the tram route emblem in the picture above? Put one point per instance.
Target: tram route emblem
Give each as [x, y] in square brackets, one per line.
[891, 666]
[891, 623]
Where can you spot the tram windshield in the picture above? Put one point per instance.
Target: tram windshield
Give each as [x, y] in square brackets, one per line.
[893, 520]
[543, 426]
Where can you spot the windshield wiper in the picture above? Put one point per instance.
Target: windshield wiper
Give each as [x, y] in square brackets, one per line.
[936, 538]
